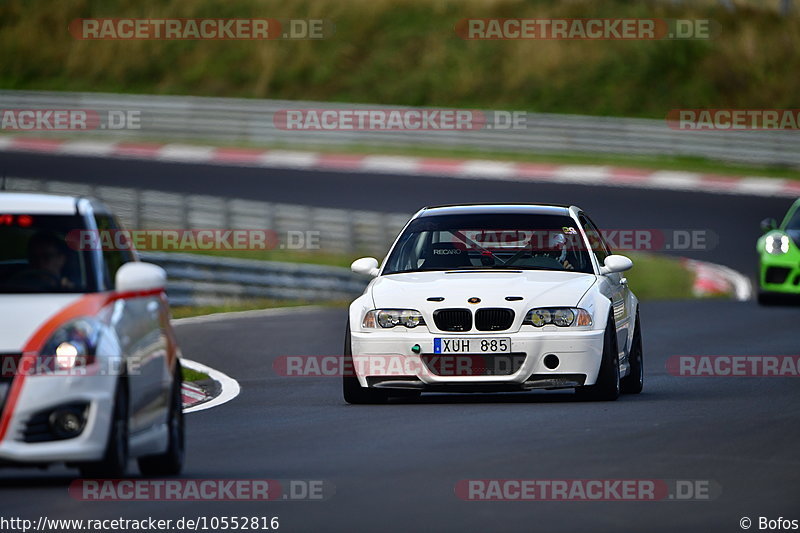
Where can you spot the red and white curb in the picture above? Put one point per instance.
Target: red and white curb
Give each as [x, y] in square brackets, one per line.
[192, 394]
[711, 279]
[440, 167]
[195, 399]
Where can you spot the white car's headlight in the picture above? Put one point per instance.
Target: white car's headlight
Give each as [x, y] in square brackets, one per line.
[72, 345]
[559, 316]
[777, 244]
[389, 318]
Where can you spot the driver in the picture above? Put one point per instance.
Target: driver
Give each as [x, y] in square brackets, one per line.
[47, 255]
[557, 249]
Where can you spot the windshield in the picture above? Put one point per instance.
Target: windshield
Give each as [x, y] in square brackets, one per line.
[35, 256]
[490, 242]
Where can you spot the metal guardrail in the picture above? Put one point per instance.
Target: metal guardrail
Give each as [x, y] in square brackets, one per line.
[195, 279]
[236, 120]
[205, 280]
[338, 230]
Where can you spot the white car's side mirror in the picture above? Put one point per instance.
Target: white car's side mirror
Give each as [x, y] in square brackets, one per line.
[365, 265]
[138, 276]
[615, 263]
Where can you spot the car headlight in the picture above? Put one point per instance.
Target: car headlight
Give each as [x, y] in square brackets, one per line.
[71, 346]
[777, 244]
[389, 318]
[559, 316]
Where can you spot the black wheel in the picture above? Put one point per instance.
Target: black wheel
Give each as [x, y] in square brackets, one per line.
[607, 386]
[115, 461]
[633, 382]
[169, 463]
[352, 390]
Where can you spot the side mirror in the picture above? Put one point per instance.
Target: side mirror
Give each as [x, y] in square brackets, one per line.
[768, 224]
[138, 276]
[365, 265]
[615, 263]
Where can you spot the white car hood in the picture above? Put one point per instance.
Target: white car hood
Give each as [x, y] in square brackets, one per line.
[23, 314]
[536, 287]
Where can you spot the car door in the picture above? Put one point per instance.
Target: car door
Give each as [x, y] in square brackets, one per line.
[616, 286]
[139, 327]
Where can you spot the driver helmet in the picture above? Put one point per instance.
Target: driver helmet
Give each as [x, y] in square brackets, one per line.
[557, 246]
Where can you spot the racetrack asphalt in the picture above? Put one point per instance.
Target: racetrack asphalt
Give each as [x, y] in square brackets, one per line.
[395, 467]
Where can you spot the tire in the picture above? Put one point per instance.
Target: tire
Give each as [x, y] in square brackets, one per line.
[607, 386]
[634, 381]
[352, 390]
[115, 459]
[170, 463]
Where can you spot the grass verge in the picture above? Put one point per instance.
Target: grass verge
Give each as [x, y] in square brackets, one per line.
[190, 375]
[659, 277]
[185, 311]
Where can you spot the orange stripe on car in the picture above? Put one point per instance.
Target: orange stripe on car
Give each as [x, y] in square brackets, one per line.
[88, 305]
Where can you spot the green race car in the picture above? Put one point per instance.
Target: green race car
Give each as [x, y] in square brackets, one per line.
[779, 253]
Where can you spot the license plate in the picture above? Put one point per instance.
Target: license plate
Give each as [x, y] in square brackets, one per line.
[471, 345]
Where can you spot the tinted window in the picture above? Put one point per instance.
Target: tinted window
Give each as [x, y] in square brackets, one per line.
[37, 256]
[793, 223]
[596, 241]
[113, 258]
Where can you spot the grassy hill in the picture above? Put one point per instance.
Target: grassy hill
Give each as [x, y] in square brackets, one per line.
[407, 52]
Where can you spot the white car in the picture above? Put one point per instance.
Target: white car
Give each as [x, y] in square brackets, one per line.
[91, 373]
[488, 298]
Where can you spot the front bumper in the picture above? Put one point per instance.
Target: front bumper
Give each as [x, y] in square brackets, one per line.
[384, 359]
[780, 273]
[43, 393]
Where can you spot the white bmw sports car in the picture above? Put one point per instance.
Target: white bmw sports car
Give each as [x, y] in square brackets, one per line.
[488, 298]
[91, 372]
